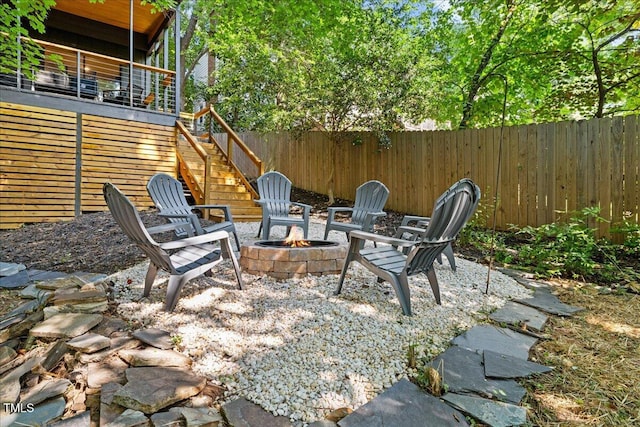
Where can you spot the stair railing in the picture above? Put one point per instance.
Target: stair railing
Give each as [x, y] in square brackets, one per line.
[199, 194]
[232, 140]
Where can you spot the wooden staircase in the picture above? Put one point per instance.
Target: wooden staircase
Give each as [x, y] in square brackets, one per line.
[226, 186]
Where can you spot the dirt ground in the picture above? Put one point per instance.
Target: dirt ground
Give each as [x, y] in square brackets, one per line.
[94, 242]
[596, 353]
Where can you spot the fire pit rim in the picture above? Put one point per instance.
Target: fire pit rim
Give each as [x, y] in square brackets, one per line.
[279, 244]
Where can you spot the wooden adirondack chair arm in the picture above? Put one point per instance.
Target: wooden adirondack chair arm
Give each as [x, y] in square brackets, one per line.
[364, 235]
[196, 240]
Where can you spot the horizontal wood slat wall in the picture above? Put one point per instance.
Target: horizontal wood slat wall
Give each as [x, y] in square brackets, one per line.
[545, 169]
[126, 153]
[37, 165]
[39, 162]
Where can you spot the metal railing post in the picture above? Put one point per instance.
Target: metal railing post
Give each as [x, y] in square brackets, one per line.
[78, 74]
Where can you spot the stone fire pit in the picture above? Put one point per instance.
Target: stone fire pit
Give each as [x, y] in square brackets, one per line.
[278, 260]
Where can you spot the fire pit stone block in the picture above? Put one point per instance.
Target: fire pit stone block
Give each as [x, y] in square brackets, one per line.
[286, 263]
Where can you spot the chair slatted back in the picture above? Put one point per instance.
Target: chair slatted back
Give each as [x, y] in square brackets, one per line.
[127, 217]
[450, 213]
[167, 194]
[275, 190]
[370, 197]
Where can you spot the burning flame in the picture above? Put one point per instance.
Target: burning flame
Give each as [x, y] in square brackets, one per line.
[295, 239]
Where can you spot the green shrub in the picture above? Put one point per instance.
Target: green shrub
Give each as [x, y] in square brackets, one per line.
[482, 239]
[631, 232]
[567, 249]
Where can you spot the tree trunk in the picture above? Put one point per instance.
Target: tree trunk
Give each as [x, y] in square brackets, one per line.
[478, 79]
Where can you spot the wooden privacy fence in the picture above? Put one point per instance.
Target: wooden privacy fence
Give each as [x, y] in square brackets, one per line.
[545, 169]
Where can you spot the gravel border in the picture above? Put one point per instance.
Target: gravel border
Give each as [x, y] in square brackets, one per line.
[296, 349]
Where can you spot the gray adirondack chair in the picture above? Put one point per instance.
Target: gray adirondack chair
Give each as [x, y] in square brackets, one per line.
[275, 199]
[413, 227]
[391, 264]
[367, 208]
[168, 196]
[191, 257]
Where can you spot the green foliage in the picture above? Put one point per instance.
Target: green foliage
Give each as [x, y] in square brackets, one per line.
[597, 73]
[17, 17]
[631, 232]
[331, 65]
[561, 60]
[478, 236]
[566, 248]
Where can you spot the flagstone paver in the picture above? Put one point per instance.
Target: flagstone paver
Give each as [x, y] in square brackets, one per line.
[501, 340]
[46, 390]
[167, 419]
[150, 389]
[154, 357]
[546, 301]
[109, 370]
[154, 337]
[498, 365]
[82, 419]
[10, 382]
[32, 291]
[66, 325]
[89, 342]
[513, 313]
[404, 404]
[130, 418]
[243, 413]
[199, 417]
[10, 268]
[463, 372]
[14, 281]
[495, 414]
[40, 415]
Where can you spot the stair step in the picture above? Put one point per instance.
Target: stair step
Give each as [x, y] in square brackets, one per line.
[228, 188]
[222, 181]
[222, 171]
[225, 197]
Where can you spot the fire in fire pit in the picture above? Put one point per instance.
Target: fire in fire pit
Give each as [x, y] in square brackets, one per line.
[292, 257]
[295, 238]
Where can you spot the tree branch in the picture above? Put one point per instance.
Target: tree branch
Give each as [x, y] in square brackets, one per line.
[474, 87]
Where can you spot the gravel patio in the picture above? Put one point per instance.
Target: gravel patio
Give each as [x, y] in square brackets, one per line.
[296, 349]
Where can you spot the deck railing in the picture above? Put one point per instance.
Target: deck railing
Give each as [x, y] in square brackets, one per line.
[91, 76]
